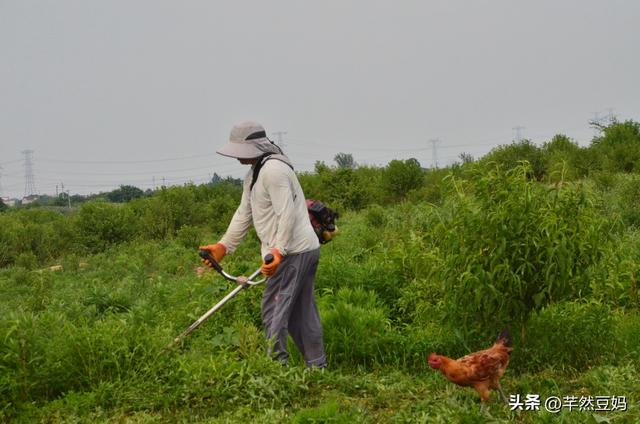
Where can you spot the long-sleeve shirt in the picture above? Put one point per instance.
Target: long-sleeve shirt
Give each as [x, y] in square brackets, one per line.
[277, 208]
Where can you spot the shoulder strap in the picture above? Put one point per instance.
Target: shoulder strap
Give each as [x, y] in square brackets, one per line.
[261, 161]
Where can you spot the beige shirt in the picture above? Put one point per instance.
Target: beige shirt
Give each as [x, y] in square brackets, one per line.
[276, 205]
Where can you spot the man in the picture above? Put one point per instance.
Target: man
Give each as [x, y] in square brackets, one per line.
[273, 201]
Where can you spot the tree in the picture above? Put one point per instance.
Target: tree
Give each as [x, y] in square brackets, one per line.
[125, 193]
[345, 160]
[511, 155]
[3, 207]
[561, 159]
[620, 147]
[466, 157]
[402, 176]
[216, 178]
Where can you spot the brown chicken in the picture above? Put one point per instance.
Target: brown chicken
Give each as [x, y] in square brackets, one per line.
[481, 370]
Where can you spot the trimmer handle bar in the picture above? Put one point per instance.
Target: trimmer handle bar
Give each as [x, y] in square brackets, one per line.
[204, 254]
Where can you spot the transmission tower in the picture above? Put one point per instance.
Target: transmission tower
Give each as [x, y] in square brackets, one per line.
[611, 117]
[518, 129]
[280, 135]
[434, 151]
[29, 179]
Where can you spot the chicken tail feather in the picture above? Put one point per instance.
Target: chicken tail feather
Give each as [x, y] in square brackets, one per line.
[504, 337]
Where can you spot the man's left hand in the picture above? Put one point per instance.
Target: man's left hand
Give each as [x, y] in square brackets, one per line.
[270, 268]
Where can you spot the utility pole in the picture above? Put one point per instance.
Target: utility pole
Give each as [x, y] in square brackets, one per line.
[63, 192]
[518, 129]
[29, 180]
[280, 135]
[434, 151]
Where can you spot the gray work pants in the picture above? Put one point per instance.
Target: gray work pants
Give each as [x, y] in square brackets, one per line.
[289, 307]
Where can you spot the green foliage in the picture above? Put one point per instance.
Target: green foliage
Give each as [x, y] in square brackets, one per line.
[3, 207]
[615, 281]
[511, 246]
[34, 232]
[511, 155]
[575, 335]
[345, 160]
[163, 214]
[357, 330]
[432, 191]
[329, 412]
[620, 147]
[562, 160]
[375, 216]
[628, 200]
[189, 236]
[125, 193]
[99, 225]
[441, 267]
[344, 188]
[402, 176]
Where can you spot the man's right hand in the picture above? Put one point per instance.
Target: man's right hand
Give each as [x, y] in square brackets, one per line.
[217, 250]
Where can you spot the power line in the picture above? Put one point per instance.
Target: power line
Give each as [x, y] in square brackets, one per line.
[144, 172]
[128, 161]
[10, 162]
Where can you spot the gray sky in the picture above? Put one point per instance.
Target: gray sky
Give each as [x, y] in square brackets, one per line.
[111, 92]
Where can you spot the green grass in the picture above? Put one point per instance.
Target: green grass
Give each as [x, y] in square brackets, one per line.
[86, 344]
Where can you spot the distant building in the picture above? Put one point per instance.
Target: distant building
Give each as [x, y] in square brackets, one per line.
[9, 201]
[30, 199]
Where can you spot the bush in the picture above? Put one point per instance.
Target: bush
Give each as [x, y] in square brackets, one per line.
[572, 335]
[402, 176]
[562, 160]
[167, 211]
[37, 232]
[510, 156]
[357, 330]
[99, 225]
[189, 237]
[344, 188]
[510, 246]
[620, 147]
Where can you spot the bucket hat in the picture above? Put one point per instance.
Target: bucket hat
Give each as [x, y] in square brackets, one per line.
[247, 140]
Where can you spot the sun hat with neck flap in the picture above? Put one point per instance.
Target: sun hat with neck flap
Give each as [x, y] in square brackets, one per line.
[248, 140]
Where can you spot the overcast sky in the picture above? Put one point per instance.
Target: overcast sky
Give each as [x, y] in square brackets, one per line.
[122, 92]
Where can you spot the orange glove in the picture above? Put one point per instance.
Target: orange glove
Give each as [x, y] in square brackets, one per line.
[270, 269]
[217, 250]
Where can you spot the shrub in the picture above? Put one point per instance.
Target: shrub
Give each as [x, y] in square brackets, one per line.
[402, 176]
[357, 331]
[561, 156]
[189, 237]
[167, 211]
[101, 224]
[572, 335]
[510, 246]
[125, 193]
[44, 234]
[620, 147]
[510, 156]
